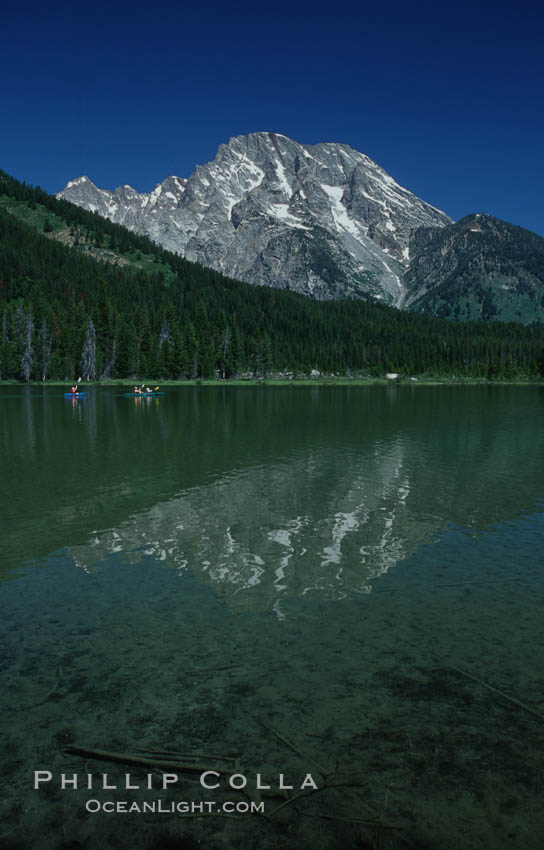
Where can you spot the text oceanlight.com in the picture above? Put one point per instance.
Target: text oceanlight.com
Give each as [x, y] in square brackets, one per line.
[210, 807]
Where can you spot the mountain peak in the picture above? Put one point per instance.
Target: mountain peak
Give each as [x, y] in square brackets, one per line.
[322, 219]
[79, 181]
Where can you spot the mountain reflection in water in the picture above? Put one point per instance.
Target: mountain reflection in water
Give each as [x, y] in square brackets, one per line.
[326, 522]
[307, 528]
[265, 493]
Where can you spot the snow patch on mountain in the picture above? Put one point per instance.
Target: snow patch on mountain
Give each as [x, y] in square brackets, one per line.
[281, 211]
[340, 216]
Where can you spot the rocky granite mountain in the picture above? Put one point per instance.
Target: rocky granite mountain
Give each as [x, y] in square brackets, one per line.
[323, 219]
[479, 268]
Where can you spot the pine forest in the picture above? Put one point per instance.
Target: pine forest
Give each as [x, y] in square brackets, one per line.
[82, 297]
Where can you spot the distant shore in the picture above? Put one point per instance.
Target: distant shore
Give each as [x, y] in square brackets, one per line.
[342, 381]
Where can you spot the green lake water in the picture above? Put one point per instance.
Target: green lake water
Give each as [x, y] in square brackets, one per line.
[346, 582]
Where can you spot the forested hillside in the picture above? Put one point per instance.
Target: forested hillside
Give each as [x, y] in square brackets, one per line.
[80, 296]
[480, 267]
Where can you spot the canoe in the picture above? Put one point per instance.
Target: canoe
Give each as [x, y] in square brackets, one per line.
[74, 395]
[140, 395]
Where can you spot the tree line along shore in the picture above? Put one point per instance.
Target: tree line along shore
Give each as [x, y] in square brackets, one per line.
[112, 305]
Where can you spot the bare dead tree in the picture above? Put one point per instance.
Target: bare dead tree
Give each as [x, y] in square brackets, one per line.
[28, 353]
[164, 334]
[88, 357]
[45, 341]
[108, 368]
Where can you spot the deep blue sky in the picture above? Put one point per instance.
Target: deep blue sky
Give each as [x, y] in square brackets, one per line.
[448, 98]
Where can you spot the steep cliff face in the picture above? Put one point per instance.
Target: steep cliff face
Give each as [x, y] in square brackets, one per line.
[479, 268]
[321, 219]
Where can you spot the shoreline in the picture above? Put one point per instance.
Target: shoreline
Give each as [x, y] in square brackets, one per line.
[289, 382]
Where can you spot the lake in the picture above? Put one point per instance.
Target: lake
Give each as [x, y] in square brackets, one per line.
[338, 589]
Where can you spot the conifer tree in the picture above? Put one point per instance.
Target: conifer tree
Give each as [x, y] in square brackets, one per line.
[7, 360]
[191, 345]
[43, 354]
[128, 351]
